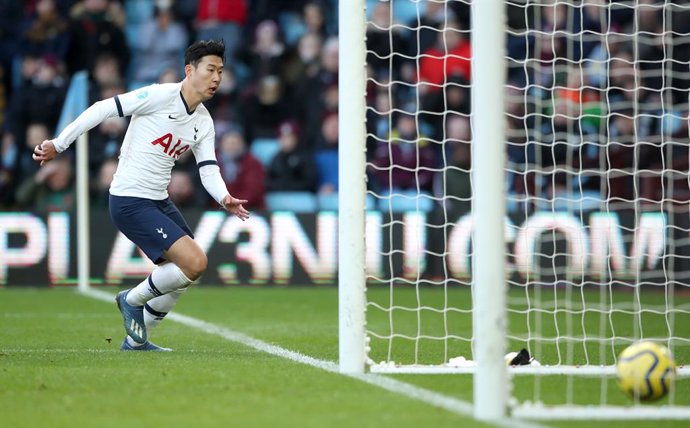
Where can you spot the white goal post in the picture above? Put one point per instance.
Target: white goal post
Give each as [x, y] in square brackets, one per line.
[577, 240]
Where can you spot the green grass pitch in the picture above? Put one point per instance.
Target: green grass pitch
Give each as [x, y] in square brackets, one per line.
[60, 366]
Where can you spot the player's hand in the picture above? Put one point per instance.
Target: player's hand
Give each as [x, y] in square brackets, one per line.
[234, 205]
[45, 152]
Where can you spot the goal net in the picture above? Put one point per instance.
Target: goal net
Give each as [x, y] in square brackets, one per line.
[596, 185]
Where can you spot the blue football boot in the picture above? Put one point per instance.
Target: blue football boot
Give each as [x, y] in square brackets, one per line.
[147, 346]
[133, 317]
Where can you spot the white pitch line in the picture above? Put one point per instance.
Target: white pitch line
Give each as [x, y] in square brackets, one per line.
[433, 398]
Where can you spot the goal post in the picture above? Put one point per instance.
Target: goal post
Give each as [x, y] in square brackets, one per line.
[488, 210]
[515, 176]
[351, 157]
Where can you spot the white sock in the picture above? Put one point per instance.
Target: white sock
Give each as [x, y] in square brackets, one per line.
[157, 308]
[163, 280]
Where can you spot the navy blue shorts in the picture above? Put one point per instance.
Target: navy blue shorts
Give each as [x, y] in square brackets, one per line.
[152, 225]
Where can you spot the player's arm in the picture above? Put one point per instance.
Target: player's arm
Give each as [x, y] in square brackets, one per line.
[90, 118]
[212, 180]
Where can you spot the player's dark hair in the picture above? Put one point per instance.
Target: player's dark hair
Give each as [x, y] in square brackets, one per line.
[202, 48]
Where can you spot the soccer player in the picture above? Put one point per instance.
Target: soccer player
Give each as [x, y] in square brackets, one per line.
[167, 120]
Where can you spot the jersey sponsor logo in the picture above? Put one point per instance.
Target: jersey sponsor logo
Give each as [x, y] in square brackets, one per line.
[142, 94]
[171, 150]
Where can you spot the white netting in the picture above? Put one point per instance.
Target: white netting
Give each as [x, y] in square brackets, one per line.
[597, 183]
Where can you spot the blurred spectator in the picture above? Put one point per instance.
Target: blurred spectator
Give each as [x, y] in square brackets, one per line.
[404, 162]
[25, 166]
[596, 67]
[10, 21]
[94, 31]
[293, 168]
[40, 100]
[185, 11]
[106, 74]
[454, 183]
[181, 189]
[303, 62]
[243, 173]
[382, 40]
[8, 153]
[105, 142]
[265, 109]
[266, 54]
[46, 33]
[226, 106]
[160, 45]
[455, 97]
[50, 189]
[309, 98]
[173, 76]
[326, 156]
[450, 56]
[314, 15]
[222, 19]
[100, 189]
[424, 29]
[620, 156]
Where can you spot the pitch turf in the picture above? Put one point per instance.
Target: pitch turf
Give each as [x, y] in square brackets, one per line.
[60, 366]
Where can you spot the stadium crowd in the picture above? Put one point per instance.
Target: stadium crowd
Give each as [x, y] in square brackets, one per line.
[597, 93]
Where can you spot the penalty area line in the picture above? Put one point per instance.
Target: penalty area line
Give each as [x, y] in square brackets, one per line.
[432, 398]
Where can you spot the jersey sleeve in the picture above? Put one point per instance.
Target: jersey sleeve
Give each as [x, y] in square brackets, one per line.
[205, 155]
[141, 101]
[87, 120]
[206, 149]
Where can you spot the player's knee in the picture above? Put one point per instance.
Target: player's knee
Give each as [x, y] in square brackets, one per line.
[197, 266]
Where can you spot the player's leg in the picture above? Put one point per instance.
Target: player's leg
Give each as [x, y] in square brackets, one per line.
[156, 309]
[186, 262]
[145, 223]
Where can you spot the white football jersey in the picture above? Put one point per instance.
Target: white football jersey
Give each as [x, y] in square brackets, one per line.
[162, 128]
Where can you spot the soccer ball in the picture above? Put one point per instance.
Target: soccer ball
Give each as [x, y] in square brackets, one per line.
[645, 371]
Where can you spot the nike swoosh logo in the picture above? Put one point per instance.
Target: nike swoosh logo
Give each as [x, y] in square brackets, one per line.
[171, 117]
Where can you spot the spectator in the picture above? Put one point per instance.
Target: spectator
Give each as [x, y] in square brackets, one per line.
[243, 173]
[46, 34]
[620, 156]
[404, 162]
[171, 76]
[303, 63]
[267, 54]
[106, 74]
[222, 19]
[326, 156]
[423, 30]
[309, 97]
[181, 189]
[265, 109]
[314, 15]
[450, 56]
[382, 40]
[39, 100]
[50, 189]
[226, 107]
[293, 168]
[160, 45]
[95, 31]
[454, 183]
[101, 185]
